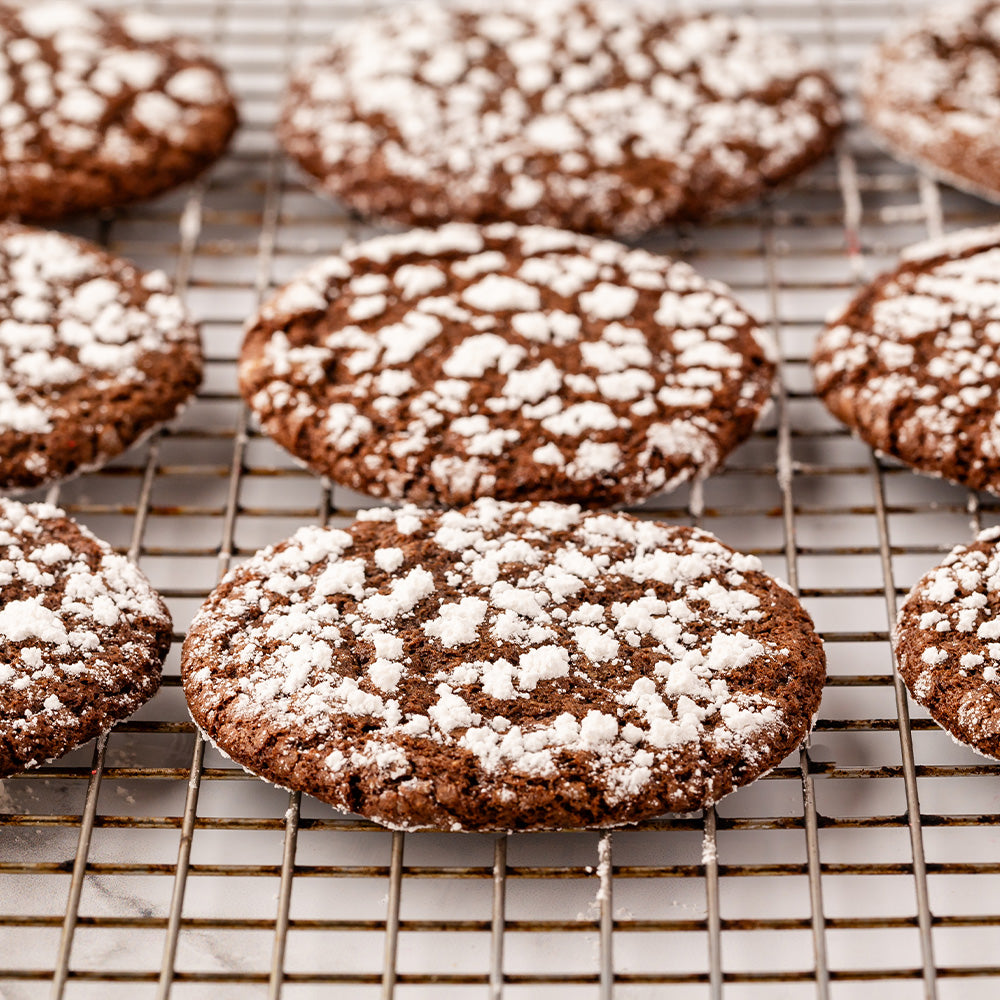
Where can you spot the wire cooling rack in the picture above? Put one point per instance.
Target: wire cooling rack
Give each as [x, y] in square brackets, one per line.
[148, 866]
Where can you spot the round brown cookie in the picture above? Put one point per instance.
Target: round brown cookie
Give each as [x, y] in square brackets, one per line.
[504, 666]
[930, 94]
[947, 641]
[82, 636]
[520, 363]
[594, 115]
[99, 109]
[912, 367]
[94, 354]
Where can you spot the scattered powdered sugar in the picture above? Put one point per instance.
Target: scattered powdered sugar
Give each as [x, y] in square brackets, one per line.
[30, 619]
[709, 850]
[953, 244]
[604, 871]
[518, 369]
[506, 635]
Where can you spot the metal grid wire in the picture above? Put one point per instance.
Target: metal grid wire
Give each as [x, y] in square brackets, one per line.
[148, 865]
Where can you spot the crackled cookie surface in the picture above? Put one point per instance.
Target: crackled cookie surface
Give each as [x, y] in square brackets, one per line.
[515, 362]
[599, 116]
[94, 354]
[82, 636]
[504, 666]
[912, 365]
[931, 92]
[99, 109]
[947, 641]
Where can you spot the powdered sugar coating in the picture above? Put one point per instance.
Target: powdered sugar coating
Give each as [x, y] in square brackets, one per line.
[524, 666]
[98, 109]
[82, 634]
[912, 364]
[538, 364]
[94, 354]
[947, 642]
[597, 115]
[930, 93]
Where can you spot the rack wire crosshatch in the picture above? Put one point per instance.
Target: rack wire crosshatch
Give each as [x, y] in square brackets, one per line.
[148, 865]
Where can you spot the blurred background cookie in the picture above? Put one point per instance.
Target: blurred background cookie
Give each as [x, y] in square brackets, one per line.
[593, 115]
[99, 109]
[931, 93]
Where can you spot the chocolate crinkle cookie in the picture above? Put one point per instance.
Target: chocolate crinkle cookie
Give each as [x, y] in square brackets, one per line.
[82, 636]
[601, 116]
[947, 641]
[516, 362]
[99, 109]
[504, 666]
[912, 365]
[930, 91]
[94, 354]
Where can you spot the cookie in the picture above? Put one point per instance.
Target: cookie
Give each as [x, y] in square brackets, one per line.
[99, 109]
[504, 666]
[82, 633]
[94, 354]
[929, 93]
[515, 362]
[911, 366]
[593, 115]
[947, 641]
